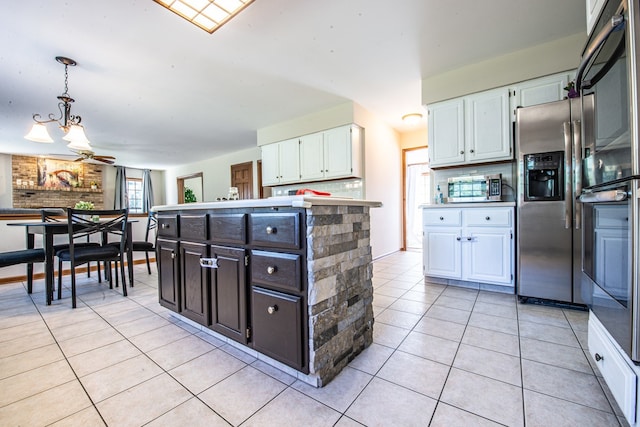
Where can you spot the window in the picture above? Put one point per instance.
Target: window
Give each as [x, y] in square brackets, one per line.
[134, 190]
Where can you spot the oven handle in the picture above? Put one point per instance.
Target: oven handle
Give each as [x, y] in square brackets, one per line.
[617, 23]
[604, 196]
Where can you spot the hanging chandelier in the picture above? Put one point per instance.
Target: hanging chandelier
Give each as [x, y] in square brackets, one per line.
[70, 124]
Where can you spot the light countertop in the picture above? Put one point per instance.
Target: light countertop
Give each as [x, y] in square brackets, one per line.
[469, 205]
[280, 201]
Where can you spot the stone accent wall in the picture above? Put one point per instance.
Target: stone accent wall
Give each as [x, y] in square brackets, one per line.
[340, 289]
[28, 195]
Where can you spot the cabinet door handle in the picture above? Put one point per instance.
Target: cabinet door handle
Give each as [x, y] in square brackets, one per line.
[487, 218]
[272, 309]
[173, 255]
[271, 230]
[469, 239]
[209, 262]
[458, 239]
[271, 269]
[164, 226]
[598, 357]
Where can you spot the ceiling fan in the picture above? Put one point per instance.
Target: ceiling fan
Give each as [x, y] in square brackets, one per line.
[90, 155]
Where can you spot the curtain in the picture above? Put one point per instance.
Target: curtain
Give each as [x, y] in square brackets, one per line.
[121, 200]
[147, 191]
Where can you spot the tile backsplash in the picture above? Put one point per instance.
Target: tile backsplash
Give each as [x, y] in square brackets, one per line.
[352, 188]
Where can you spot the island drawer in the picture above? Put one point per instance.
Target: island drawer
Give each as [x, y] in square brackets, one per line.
[278, 230]
[228, 228]
[487, 217]
[276, 270]
[448, 217]
[168, 225]
[277, 326]
[193, 227]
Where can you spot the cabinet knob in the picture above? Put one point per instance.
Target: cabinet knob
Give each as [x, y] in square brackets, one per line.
[461, 151]
[469, 239]
[458, 239]
[598, 357]
[272, 309]
[271, 269]
[271, 230]
[471, 151]
[173, 255]
[487, 218]
[441, 218]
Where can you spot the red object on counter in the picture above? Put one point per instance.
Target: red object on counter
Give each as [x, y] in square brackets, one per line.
[304, 191]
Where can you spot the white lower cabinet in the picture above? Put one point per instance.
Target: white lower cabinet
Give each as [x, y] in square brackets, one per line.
[469, 244]
[616, 368]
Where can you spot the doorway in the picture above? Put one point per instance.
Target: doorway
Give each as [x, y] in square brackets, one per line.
[190, 188]
[416, 191]
[242, 179]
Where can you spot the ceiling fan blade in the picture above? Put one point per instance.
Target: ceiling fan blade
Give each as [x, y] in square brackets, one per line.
[109, 162]
[105, 157]
[79, 159]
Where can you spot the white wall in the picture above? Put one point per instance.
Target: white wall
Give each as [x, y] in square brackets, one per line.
[216, 175]
[383, 181]
[549, 58]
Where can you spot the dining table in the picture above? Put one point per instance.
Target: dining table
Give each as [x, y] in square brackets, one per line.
[50, 229]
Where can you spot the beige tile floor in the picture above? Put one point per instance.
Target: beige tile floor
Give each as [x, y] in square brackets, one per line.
[442, 356]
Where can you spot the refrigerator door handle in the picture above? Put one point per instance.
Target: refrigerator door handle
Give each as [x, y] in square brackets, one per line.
[577, 171]
[568, 151]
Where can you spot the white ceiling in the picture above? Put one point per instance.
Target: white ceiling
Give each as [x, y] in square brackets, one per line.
[156, 91]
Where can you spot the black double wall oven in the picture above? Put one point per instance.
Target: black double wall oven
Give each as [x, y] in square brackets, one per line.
[609, 177]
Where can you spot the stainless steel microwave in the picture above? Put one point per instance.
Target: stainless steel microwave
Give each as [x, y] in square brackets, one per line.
[478, 188]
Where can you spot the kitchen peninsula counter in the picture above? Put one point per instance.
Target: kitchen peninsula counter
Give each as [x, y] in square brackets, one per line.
[285, 279]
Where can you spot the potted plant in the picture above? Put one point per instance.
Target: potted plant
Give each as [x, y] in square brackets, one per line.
[87, 206]
[189, 196]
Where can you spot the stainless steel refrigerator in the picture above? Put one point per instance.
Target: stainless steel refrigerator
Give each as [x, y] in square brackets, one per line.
[548, 139]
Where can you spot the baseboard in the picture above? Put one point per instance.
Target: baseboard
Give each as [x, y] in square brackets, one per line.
[67, 272]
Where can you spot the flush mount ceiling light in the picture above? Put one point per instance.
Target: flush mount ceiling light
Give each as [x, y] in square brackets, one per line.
[412, 118]
[206, 14]
[69, 123]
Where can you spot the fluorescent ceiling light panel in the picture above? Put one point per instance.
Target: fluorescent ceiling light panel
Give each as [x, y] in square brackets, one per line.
[206, 14]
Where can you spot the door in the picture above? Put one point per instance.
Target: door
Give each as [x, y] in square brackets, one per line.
[228, 293]
[289, 159]
[312, 156]
[488, 132]
[545, 226]
[442, 252]
[168, 277]
[416, 191]
[338, 152]
[487, 256]
[194, 286]
[446, 133]
[242, 179]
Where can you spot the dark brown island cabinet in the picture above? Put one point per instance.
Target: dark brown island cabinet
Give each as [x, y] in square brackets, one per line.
[286, 279]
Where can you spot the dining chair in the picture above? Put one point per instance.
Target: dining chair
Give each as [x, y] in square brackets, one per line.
[81, 224]
[24, 256]
[54, 216]
[146, 246]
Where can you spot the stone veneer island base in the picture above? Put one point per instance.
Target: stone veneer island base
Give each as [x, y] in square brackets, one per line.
[307, 262]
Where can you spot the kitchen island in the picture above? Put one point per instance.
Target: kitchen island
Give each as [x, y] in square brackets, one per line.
[285, 279]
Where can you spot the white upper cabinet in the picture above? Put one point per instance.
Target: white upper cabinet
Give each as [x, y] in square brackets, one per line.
[312, 156]
[446, 133]
[539, 91]
[334, 153]
[471, 129]
[281, 162]
[488, 136]
[593, 10]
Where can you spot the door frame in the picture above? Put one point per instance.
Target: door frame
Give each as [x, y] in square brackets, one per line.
[180, 183]
[404, 193]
